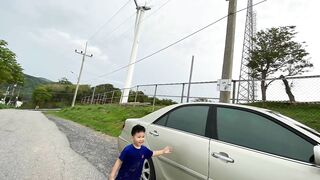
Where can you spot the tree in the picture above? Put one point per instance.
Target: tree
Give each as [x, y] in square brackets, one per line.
[64, 80]
[201, 100]
[41, 96]
[10, 70]
[276, 53]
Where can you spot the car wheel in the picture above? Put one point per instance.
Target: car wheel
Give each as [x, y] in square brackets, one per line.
[148, 172]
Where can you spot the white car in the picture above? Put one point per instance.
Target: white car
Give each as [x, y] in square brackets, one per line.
[226, 142]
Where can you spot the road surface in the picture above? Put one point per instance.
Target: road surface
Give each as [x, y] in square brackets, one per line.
[32, 147]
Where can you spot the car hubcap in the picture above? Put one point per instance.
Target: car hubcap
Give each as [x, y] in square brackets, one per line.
[145, 171]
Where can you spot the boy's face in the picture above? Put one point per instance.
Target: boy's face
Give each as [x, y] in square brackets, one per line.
[138, 138]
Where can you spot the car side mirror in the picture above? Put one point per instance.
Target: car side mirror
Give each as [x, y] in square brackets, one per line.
[316, 151]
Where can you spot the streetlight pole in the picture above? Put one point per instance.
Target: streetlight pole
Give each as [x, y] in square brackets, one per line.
[229, 47]
[84, 54]
[134, 51]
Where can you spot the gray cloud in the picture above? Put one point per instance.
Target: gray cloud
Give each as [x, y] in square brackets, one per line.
[44, 35]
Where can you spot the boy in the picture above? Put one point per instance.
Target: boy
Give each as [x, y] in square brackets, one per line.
[132, 157]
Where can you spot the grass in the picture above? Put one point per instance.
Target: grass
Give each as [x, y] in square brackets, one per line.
[107, 119]
[3, 106]
[308, 114]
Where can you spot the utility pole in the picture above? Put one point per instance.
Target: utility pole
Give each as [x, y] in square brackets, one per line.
[84, 54]
[229, 47]
[134, 51]
[189, 86]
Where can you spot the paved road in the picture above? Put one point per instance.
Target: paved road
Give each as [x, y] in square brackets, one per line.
[32, 147]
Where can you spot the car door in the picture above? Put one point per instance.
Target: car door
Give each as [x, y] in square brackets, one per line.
[183, 129]
[249, 145]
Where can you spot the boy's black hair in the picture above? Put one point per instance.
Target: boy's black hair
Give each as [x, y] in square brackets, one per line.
[137, 128]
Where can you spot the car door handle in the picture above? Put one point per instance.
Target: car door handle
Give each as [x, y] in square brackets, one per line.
[223, 156]
[154, 133]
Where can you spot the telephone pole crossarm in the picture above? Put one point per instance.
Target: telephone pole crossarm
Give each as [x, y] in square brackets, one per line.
[84, 54]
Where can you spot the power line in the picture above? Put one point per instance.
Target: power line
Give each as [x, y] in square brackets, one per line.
[154, 12]
[116, 28]
[109, 20]
[178, 41]
[148, 17]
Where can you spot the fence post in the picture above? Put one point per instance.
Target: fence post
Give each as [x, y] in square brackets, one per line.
[98, 99]
[112, 97]
[182, 94]
[104, 98]
[154, 97]
[94, 90]
[234, 92]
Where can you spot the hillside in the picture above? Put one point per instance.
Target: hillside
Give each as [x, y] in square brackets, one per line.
[30, 83]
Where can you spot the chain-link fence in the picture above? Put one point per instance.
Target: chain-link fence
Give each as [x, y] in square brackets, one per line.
[296, 97]
[289, 89]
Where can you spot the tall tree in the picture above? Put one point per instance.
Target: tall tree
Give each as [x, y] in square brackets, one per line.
[65, 81]
[41, 95]
[277, 54]
[10, 70]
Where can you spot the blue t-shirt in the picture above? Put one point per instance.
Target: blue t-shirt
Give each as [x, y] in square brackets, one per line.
[132, 162]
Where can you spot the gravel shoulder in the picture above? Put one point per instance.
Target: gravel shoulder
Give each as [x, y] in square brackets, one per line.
[99, 149]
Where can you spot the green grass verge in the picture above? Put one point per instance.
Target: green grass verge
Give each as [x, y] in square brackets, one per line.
[109, 118]
[308, 114]
[104, 118]
[3, 106]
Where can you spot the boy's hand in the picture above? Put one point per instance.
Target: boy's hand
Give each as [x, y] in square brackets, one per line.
[167, 150]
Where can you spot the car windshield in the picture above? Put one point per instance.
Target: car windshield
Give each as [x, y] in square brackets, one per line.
[312, 131]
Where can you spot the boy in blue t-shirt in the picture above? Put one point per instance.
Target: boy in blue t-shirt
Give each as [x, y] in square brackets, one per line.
[132, 157]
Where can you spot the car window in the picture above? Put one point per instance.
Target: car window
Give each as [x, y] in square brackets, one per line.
[312, 131]
[191, 119]
[162, 121]
[257, 132]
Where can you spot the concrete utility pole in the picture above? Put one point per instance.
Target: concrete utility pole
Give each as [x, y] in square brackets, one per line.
[229, 47]
[134, 51]
[189, 86]
[84, 54]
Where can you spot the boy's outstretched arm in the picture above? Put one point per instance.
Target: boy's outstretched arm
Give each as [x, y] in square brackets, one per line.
[165, 150]
[115, 169]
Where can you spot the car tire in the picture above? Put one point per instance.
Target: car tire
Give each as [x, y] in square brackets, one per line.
[148, 172]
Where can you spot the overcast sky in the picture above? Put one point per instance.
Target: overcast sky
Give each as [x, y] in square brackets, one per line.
[44, 35]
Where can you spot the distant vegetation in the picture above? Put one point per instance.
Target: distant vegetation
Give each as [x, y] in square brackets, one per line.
[57, 94]
[60, 94]
[25, 90]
